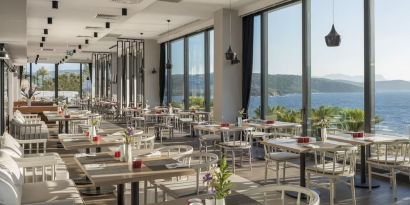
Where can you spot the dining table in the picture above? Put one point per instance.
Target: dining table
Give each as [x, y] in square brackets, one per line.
[364, 142]
[54, 116]
[267, 126]
[291, 145]
[104, 169]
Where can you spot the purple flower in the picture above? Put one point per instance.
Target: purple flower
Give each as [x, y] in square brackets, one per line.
[130, 131]
[207, 177]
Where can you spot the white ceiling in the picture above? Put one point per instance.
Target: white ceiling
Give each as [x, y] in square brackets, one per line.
[72, 16]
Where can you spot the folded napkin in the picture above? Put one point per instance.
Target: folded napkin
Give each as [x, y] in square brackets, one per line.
[313, 146]
[153, 154]
[94, 166]
[84, 155]
[176, 165]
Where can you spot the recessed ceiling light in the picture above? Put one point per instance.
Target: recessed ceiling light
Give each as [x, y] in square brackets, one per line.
[124, 11]
[86, 41]
[74, 51]
[43, 38]
[45, 31]
[79, 46]
[95, 34]
[55, 4]
[41, 45]
[107, 24]
[49, 20]
[66, 57]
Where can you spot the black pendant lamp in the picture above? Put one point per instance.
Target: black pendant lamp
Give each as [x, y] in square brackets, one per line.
[333, 38]
[229, 55]
[168, 65]
[235, 59]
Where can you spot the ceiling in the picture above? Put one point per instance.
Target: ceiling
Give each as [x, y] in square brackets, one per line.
[73, 16]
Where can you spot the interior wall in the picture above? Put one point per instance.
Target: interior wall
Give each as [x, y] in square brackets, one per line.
[151, 87]
[227, 77]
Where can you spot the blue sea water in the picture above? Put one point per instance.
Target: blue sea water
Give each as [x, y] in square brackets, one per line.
[392, 107]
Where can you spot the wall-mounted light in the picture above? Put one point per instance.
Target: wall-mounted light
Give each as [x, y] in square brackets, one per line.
[124, 11]
[79, 47]
[49, 20]
[107, 24]
[86, 41]
[41, 45]
[54, 4]
[45, 31]
[43, 38]
[95, 34]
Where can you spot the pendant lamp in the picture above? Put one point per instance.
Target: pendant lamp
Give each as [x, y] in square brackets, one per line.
[333, 38]
[229, 55]
[168, 65]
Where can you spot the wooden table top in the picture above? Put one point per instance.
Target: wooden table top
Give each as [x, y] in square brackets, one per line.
[112, 171]
[80, 141]
[54, 116]
[277, 124]
[217, 128]
[367, 140]
[292, 145]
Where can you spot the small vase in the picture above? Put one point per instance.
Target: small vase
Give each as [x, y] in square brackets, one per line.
[93, 132]
[220, 201]
[209, 201]
[240, 121]
[126, 155]
[323, 134]
[29, 102]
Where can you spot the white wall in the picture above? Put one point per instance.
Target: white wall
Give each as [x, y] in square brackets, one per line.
[227, 77]
[151, 89]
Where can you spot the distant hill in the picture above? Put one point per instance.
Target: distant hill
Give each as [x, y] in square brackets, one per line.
[352, 78]
[393, 85]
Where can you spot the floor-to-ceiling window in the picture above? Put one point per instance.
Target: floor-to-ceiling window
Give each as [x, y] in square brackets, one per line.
[177, 73]
[69, 82]
[196, 71]
[284, 80]
[254, 107]
[86, 81]
[337, 73]
[43, 78]
[392, 66]
[186, 81]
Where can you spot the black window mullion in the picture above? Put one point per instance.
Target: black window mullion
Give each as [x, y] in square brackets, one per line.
[207, 71]
[186, 73]
[264, 64]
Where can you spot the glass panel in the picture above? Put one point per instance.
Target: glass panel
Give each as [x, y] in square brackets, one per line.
[284, 81]
[392, 67]
[86, 81]
[177, 76]
[211, 68]
[165, 102]
[337, 72]
[197, 71]
[43, 76]
[254, 107]
[69, 80]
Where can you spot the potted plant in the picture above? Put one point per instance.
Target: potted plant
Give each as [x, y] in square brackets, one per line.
[323, 124]
[241, 113]
[219, 184]
[29, 94]
[127, 146]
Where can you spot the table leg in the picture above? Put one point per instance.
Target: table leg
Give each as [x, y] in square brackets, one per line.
[60, 127]
[302, 169]
[362, 183]
[120, 194]
[66, 126]
[135, 199]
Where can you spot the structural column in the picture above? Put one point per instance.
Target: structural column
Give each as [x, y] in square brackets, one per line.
[369, 66]
[306, 66]
[227, 77]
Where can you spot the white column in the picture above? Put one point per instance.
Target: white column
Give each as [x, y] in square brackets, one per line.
[151, 83]
[227, 77]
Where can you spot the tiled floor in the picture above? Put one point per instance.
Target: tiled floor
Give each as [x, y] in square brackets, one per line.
[382, 195]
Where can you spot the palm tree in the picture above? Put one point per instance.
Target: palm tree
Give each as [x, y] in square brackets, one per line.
[42, 72]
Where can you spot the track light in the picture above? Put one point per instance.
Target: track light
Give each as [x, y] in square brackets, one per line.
[95, 34]
[79, 47]
[45, 31]
[107, 24]
[41, 45]
[124, 11]
[43, 38]
[49, 20]
[86, 41]
[55, 4]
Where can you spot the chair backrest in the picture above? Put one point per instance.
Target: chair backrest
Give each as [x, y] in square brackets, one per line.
[144, 141]
[238, 136]
[335, 161]
[264, 194]
[273, 136]
[176, 151]
[392, 152]
[200, 161]
[11, 146]
[11, 180]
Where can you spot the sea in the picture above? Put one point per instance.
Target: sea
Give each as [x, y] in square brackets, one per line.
[392, 107]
